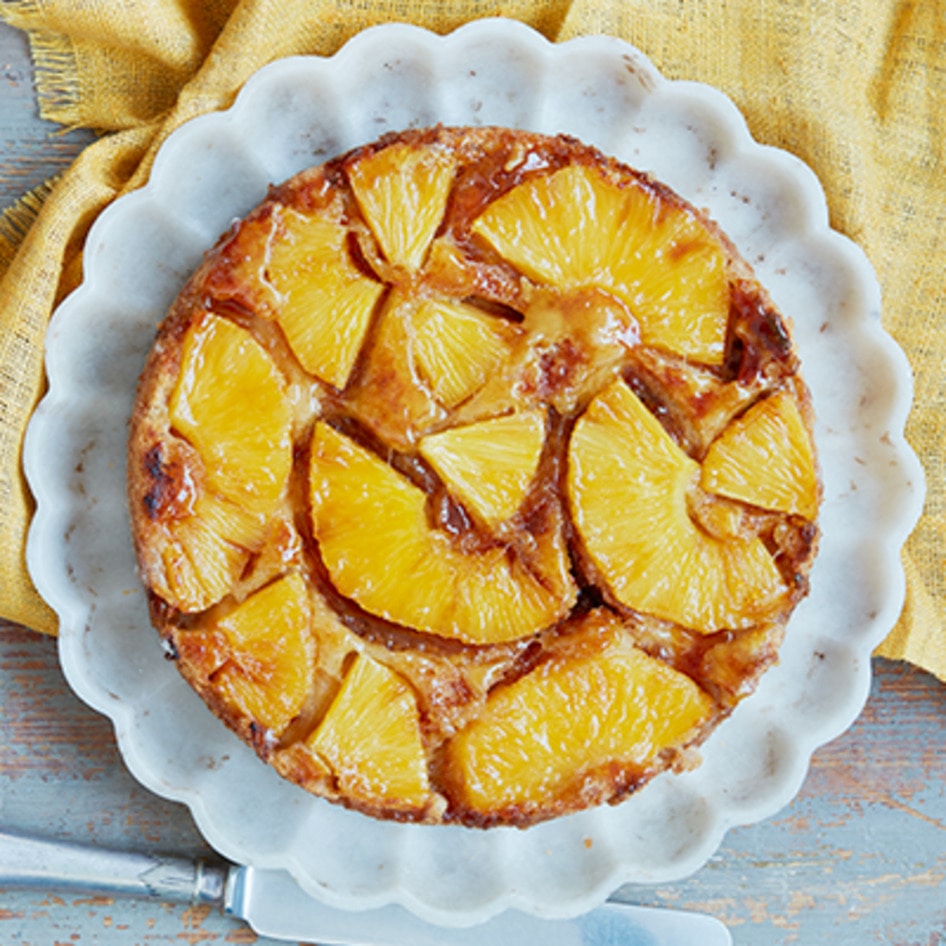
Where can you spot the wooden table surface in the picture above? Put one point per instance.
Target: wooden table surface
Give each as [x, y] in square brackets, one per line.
[858, 857]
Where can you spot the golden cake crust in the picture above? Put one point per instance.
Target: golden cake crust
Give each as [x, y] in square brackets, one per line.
[263, 411]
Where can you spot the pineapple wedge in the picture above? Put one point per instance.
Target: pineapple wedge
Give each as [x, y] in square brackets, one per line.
[573, 229]
[207, 551]
[326, 301]
[371, 740]
[765, 458]
[402, 192]
[389, 395]
[380, 550]
[199, 540]
[489, 465]
[270, 654]
[457, 347]
[628, 486]
[230, 402]
[602, 703]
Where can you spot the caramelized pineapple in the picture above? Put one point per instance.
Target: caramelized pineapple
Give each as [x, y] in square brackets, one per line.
[628, 485]
[472, 479]
[574, 229]
[219, 486]
[326, 301]
[380, 549]
[677, 384]
[765, 458]
[548, 734]
[371, 527]
[567, 347]
[489, 465]
[402, 192]
[456, 348]
[390, 396]
[207, 551]
[263, 654]
[192, 534]
[230, 402]
[371, 740]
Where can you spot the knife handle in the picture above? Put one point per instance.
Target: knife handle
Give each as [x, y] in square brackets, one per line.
[63, 865]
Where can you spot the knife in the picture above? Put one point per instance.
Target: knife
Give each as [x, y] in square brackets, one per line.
[274, 905]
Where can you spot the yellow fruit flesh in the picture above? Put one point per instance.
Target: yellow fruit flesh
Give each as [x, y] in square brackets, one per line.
[370, 524]
[272, 654]
[326, 301]
[198, 567]
[673, 276]
[628, 484]
[546, 732]
[572, 230]
[230, 402]
[456, 348]
[389, 395]
[370, 738]
[208, 550]
[380, 550]
[402, 192]
[766, 458]
[489, 465]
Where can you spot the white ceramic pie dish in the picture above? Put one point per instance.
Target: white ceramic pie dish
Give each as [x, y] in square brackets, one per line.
[298, 112]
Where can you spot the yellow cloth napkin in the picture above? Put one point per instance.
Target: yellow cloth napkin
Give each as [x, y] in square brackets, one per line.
[855, 89]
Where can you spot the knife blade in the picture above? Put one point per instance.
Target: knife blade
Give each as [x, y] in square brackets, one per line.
[274, 905]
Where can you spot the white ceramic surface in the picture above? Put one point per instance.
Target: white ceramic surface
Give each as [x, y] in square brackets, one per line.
[295, 113]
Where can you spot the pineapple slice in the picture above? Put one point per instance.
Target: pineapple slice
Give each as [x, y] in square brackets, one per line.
[380, 550]
[673, 275]
[231, 406]
[206, 552]
[201, 539]
[457, 347]
[370, 738]
[370, 524]
[198, 567]
[573, 229]
[628, 487]
[389, 396]
[766, 458]
[490, 465]
[271, 654]
[559, 229]
[600, 703]
[230, 402]
[402, 192]
[326, 301]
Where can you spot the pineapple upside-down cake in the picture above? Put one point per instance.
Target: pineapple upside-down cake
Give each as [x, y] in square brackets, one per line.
[472, 478]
